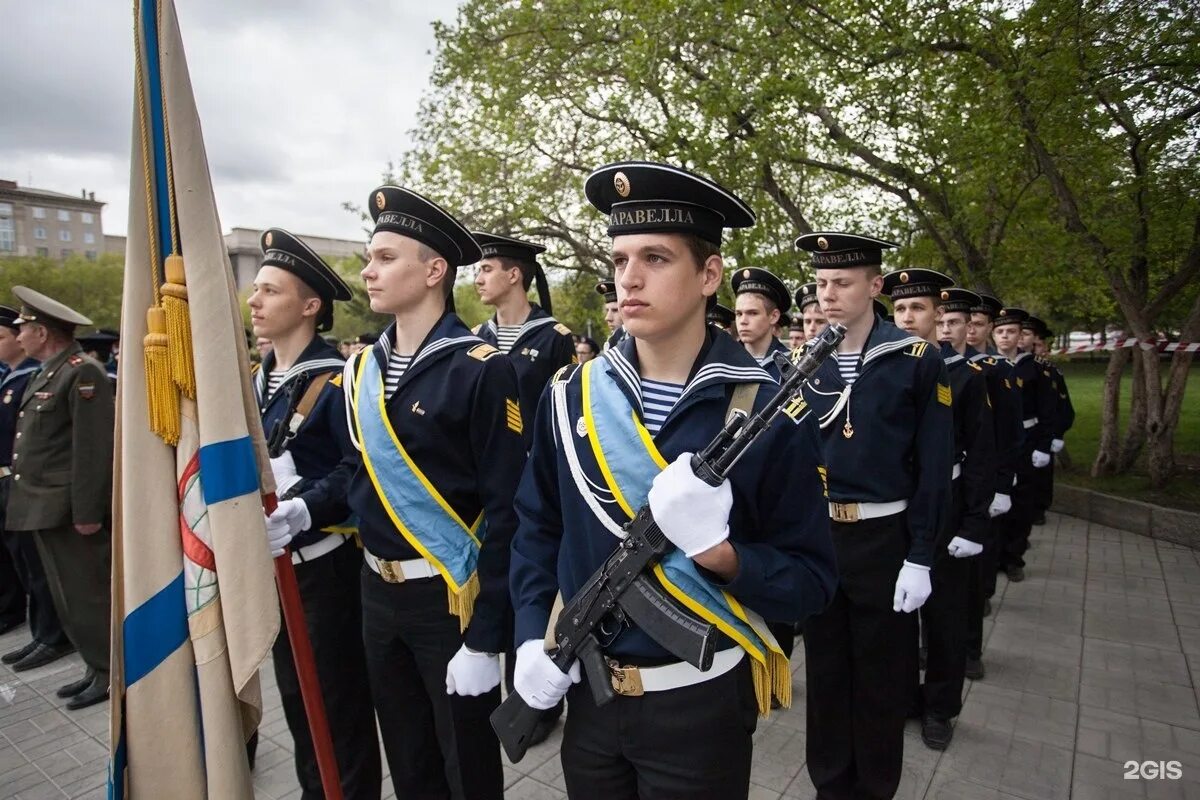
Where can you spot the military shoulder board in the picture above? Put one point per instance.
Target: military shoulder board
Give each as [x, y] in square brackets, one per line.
[563, 329]
[336, 380]
[482, 351]
[564, 373]
[975, 366]
[917, 349]
[75, 360]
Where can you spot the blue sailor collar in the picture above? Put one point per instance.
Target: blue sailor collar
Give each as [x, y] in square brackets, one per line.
[721, 360]
[886, 338]
[446, 336]
[318, 356]
[24, 368]
[538, 319]
[1021, 356]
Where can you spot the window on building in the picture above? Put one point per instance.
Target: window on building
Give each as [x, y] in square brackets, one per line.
[38, 212]
[91, 255]
[5, 209]
[64, 215]
[39, 232]
[44, 252]
[67, 252]
[86, 217]
[64, 235]
[89, 237]
[8, 235]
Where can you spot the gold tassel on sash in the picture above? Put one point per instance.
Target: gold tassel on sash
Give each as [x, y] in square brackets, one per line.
[462, 604]
[772, 678]
[179, 326]
[162, 396]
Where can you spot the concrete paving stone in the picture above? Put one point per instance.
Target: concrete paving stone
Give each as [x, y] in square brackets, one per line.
[1057, 617]
[529, 789]
[43, 791]
[10, 757]
[760, 793]
[56, 763]
[86, 784]
[947, 787]
[1160, 608]
[776, 769]
[1018, 766]
[1139, 663]
[1034, 717]
[46, 743]
[1119, 737]
[276, 781]
[269, 755]
[511, 776]
[87, 751]
[1097, 779]
[26, 776]
[1127, 584]
[1134, 629]
[1189, 639]
[82, 772]
[1175, 705]
[95, 726]
[550, 773]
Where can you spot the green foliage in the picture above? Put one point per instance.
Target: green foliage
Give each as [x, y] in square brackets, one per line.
[93, 288]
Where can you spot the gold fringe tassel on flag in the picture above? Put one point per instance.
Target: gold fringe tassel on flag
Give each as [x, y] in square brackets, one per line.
[162, 396]
[179, 327]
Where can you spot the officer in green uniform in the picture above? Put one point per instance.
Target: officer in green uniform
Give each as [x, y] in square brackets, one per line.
[62, 481]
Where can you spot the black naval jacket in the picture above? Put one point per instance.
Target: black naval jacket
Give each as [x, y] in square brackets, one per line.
[1039, 400]
[543, 346]
[899, 410]
[12, 389]
[779, 524]
[1064, 411]
[325, 458]
[450, 411]
[774, 347]
[974, 444]
[1009, 434]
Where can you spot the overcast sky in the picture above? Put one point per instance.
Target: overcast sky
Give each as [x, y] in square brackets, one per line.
[303, 102]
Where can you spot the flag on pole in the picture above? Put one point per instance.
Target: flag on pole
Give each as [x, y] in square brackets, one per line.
[195, 610]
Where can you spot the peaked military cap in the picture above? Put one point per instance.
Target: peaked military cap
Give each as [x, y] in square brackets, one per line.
[721, 315]
[8, 317]
[756, 280]
[833, 250]
[1011, 316]
[806, 295]
[608, 290]
[408, 213]
[643, 197]
[987, 305]
[958, 299]
[493, 245]
[914, 283]
[290, 253]
[37, 307]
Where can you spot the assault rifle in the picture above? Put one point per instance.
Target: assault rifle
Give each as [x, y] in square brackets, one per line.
[620, 591]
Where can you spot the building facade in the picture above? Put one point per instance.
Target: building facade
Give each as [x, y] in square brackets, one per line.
[39, 222]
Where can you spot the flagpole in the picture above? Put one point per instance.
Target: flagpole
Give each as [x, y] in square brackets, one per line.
[306, 671]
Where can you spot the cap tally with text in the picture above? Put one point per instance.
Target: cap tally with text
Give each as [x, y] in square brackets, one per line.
[1011, 316]
[721, 315]
[644, 197]
[493, 245]
[806, 295]
[607, 290]
[987, 305]
[8, 317]
[37, 307]
[290, 253]
[408, 213]
[797, 324]
[833, 250]
[914, 283]
[756, 280]
[958, 299]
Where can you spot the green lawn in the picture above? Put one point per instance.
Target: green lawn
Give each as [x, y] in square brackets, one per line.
[1086, 382]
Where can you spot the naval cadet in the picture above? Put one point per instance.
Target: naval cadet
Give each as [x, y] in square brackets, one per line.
[435, 413]
[760, 299]
[1034, 335]
[1039, 419]
[884, 406]
[535, 342]
[299, 394]
[722, 317]
[612, 313]
[759, 540]
[810, 311]
[61, 490]
[25, 578]
[796, 333]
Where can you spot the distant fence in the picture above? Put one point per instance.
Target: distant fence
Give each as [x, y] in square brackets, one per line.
[1117, 343]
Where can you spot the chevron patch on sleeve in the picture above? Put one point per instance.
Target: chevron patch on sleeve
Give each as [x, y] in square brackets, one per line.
[943, 394]
[512, 412]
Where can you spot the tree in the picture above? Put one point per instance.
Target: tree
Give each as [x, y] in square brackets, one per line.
[93, 288]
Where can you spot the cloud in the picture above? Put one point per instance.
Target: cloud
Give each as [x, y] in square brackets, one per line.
[302, 102]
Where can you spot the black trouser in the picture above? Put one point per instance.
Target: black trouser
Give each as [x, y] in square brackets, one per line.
[437, 745]
[330, 594]
[79, 575]
[1043, 483]
[977, 570]
[12, 586]
[861, 665]
[944, 624]
[1018, 522]
[691, 743]
[991, 557]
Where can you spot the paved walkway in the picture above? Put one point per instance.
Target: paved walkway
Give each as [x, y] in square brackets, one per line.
[1090, 664]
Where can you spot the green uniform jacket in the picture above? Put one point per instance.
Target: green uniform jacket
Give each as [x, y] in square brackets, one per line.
[63, 451]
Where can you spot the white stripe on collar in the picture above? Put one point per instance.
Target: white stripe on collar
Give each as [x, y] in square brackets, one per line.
[293, 371]
[954, 359]
[890, 347]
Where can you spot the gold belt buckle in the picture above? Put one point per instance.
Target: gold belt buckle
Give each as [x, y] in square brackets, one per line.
[389, 572]
[626, 681]
[844, 512]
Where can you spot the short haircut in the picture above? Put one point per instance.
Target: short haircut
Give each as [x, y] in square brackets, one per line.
[701, 249]
[425, 254]
[527, 268]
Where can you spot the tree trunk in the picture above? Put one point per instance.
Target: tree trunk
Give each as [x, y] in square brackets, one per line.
[1135, 432]
[1161, 460]
[1110, 415]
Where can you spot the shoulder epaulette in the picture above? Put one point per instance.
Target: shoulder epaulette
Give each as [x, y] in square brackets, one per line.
[564, 373]
[477, 328]
[990, 361]
[255, 368]
[482, 351]
[563, 329]
[974, 366]
[336, 380]
[75, 360]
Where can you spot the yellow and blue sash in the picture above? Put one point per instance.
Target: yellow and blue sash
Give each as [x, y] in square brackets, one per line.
[415, 506]
[628, 459]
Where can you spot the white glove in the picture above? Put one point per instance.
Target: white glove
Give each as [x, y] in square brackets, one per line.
[1040, 459]
[289, 518]
[1056, 445]
[540, 683]
[1001, 504]
[692, 514]
[470, 673]
[964, 548]
[912, 588]
[284, 469]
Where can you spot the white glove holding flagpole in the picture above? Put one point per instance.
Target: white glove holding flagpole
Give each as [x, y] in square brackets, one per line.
[289, 519]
